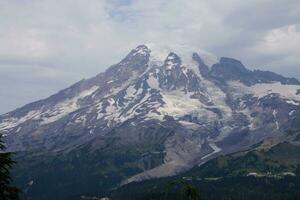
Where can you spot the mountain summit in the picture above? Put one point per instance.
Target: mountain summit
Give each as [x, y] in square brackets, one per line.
[159, 111]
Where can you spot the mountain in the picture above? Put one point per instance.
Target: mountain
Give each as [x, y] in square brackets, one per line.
[158, 112]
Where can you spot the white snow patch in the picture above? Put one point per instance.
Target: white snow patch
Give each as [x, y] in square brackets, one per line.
[251, 120]
[153, 82]
[286, 91]
[218, 98]
[13, 122]
[18, 129]
[189, 125]
[293, 102]
[177, 104]
[88, 92]
[130, 92]
[291, 112]
[132, 112]
[60, 110]
[111, 107]
[260, 90]
[64, 108]
[215, 148]
[117, 89]
[56, 112]
[275, 118]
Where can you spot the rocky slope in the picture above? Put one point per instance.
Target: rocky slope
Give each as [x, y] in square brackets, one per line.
[175, 107]
[271, 170]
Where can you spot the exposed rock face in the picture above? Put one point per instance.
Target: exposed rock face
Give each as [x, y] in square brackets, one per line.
[185, 106]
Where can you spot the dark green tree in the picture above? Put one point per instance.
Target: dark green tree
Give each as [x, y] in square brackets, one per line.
[7, 191]
[183, 190]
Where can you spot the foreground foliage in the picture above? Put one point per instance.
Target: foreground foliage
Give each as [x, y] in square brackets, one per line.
[7, 191]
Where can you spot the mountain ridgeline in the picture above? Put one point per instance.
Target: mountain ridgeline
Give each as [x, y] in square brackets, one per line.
[159, 112]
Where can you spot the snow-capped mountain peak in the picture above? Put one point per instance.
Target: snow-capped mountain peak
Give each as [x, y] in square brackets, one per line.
[202, 106]
[185, 52]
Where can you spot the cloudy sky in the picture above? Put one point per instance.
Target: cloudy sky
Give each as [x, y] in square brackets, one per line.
[46, 45]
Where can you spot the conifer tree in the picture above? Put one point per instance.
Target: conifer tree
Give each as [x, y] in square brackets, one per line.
[7, 191]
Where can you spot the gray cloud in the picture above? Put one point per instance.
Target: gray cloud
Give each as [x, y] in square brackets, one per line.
[264, 15]
[47, 45]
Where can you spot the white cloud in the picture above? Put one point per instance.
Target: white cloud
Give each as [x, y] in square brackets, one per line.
[282, 42]
[62, 41]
